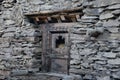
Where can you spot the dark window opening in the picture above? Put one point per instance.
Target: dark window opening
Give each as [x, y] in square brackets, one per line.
[31, 20]
[60, 42]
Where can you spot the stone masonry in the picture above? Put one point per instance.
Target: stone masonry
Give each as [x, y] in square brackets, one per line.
[95, 39]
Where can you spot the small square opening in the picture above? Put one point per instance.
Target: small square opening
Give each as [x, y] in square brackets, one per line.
[60, 42]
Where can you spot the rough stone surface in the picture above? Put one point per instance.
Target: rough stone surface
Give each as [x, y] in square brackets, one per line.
[110, 55]
[114, 61]
[95, 53]
[106, 16]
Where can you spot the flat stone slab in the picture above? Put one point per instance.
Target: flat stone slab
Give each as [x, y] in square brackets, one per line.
[114, 61]
[48, 76]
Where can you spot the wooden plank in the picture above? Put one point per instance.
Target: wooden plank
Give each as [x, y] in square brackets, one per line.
[54, 12]
[70, 17]
[49, 18]
[73, 19]
[62, 17]
[43, 48]
[37, 19]
[78, 17]
[46, 20]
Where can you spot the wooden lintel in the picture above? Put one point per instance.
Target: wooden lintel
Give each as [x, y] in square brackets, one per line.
[72, 15]
[55, 16]
[44, 13]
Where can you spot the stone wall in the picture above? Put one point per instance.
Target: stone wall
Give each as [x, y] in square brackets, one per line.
[20, 41]
[95, 40]
[95, 45]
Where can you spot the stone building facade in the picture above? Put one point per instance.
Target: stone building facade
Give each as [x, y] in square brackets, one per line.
[94, 40]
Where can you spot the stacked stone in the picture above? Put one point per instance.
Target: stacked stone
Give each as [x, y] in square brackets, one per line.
[98, 51]
[18, 41]
[95, 41]
[31, 6]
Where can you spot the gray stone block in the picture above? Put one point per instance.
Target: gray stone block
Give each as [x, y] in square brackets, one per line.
[19, 72]
[106, 16]
[104, 3]
[8, 35]
[104, 78]
[116, 75]
[115, 6]
[109, 55]
[9, 22]
[111, 23]
[114, 61]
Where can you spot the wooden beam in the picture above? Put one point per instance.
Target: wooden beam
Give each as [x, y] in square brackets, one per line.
[62, 17]
[73, 17]
[78, 17]
[37, 19]
[46, 20]
[59, 20]
[49, 18]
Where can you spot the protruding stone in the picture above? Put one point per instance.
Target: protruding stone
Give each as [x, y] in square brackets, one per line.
[19, 72]
[116, 12]
[115, 36]
[89, 17]
[110, 55]
[104, 78]
[92, 12]
[9, 22]
[8, 35]
[113, 30]
[111, 23]
[88, 77]
[106, 16]
[116, 6]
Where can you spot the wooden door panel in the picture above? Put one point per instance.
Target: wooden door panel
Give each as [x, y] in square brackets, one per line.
[55, 54]
[59, 65]
[59, 61]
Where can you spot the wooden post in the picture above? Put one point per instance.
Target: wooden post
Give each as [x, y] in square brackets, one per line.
[43, 48]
